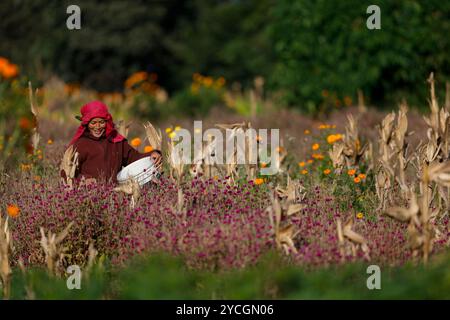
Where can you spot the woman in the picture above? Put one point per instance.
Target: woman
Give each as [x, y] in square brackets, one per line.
[102, 151]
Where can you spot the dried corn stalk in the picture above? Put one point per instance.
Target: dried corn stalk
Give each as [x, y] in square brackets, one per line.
[354, 240]
[154, 136]
[175, 162]
[52, 246]
[419, 216]
[123, 128]
[130, 187]
[5, 250]
[69, 165]
[279, 213]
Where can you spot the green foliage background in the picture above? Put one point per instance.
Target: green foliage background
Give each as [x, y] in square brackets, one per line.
[325, 45]
[301, 47]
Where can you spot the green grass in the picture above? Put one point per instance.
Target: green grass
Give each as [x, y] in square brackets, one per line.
[159, 276]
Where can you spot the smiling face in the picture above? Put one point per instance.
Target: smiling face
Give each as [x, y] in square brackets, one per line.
[97, 127]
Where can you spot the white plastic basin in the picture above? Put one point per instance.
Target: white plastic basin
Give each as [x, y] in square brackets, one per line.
[142, 170]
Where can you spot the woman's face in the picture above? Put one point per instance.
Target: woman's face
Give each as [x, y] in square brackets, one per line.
[97, 127]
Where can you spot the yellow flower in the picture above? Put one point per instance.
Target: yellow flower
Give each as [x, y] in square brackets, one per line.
[168, 130]
[361, 176]
[301, 164]
[258, 181]
[306, 131]
[148, 149]
[359, 215]
[304, 171]
[172, 135]
[177, 128]
[13, 210]
[136, 142]
[50, 141]
[351, 172]
[357, 180]
[315, 146]
[327, 171]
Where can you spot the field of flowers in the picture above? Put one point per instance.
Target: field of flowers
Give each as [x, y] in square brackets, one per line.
[364, 187]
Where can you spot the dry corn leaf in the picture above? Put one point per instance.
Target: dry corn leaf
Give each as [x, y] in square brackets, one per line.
[154, 136]
[286, 235]
[294, 208]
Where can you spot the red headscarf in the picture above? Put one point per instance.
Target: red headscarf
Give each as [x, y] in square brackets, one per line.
[96, 109]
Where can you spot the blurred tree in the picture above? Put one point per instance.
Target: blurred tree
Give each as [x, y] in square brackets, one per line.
[223, 38]
[324, 48]
[172, 38]
[116, 38]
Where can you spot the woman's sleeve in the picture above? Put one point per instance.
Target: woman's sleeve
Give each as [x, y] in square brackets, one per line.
[131, 155]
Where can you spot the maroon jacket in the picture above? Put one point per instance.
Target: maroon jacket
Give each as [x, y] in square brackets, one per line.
[100, 158]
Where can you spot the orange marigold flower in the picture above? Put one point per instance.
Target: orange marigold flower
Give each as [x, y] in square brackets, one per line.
[301, 164]
[361, 176]
[359, 215]
[327, 171]
[136, 142]
[49, 141]
[306, 131]
[136, 78]
[317, 156]
[304, 171]
[310, 161]
[25, 123]
[25, 167]
[263, 164]
[348, 101]
[13, 210]
[315, 146]
[148, 149]
[258, 181]
[332, 138]
[351, 172]
[208, 81]
[357, 180]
